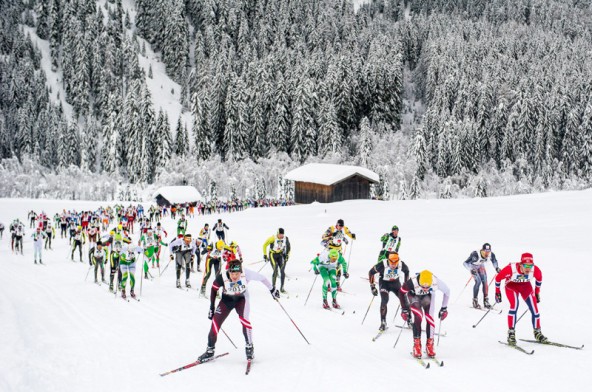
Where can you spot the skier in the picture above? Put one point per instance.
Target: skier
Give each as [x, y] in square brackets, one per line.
[326, 264]
[93, 234]
[213, 259]
[114, 260]
[19, 233]
[391, 242]
[32, 218]
[1, 230]
[160, 233]
[181, 225]
[49, 235]
[149, 242]
[127, 265]
[38, 237]
[219, 229]
[279, 252]
[235, 295]
[78, 240]
[476, 265]
[388, 281]
[416, 296]
[333, 238]
[517, 278]
[204, 235]
[99, 256]
[183, 249]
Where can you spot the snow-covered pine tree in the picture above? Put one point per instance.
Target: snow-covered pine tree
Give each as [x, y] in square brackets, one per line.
[365, 141]
[181, 139]
[329, 132]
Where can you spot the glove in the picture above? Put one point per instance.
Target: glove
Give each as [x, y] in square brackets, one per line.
[346, 275]
[353, 236]
[405, 314]
[334, 234]
[265, 258]
[211, 313]
[538, 298]
[474, 273]
[498, 297]
[274, 293]
[316, 271]
[443, 313]
[172, 257]
[497, 270]
[374, 290]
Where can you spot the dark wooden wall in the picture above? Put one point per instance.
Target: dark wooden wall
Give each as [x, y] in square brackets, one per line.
[351, 188]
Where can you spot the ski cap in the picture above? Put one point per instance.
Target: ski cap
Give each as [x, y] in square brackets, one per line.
[395, 227]
[235, 266]
[394, 257]
[526, 258]
[426, 278]
[486, 247]
[340, 222]
[220, 245]
[280, 231]
[333, 254]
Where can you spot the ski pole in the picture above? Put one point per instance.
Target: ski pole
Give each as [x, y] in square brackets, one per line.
[257, 262]
[262, 267]
[400, 332]
[281, 306]
[439, 329]
[228, 338]
[521, 316]
[88, 272]
[141, 277]
[310, 291]
[396, 313]
[486, 313]
[462, 291]
[348, 261]
[372, 300]
[166, 266]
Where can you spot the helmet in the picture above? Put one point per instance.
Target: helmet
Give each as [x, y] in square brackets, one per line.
[395, 227]
[486, 247]
[120, 226]
[79, 227]
[220, 245]
[233, 244]
[235, 266]
[340, 222]
[426, 278]
[280, 231]
[99, 243]
[393, 257]
[333, 254]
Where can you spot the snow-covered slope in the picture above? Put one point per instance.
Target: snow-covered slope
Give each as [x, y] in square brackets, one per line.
[60, 333]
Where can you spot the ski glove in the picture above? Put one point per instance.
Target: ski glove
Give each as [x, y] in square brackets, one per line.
[172, 257]
[497, 270]
[346, 275]
[538, 298]
[316, 271]
[498, 297]
[474, 272]
[211, 313]
[353, 236]
[374, 290]
[275, 293]
[443, 313]
[265, 258]
[405, 314]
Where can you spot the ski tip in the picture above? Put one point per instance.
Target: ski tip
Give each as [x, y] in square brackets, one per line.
[427, 366]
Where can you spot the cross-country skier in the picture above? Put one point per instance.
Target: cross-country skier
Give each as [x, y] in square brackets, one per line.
[333, 238]
[161, 234]
[99, 256]
[326, 264]
[181, 225]
[278, 254]
[127, 264]
[78, 240]
[204, 236]
[49, 235]
[220, 230]
[38, 237]
[517, 278]
[149, 242]
[416, 296]
[183, 249]
[476, 265]
[388, 281]
[213, 260]
[235, 295]
[19, 233]
[391, 242]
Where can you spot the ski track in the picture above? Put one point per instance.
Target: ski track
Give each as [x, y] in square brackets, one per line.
[60, 333]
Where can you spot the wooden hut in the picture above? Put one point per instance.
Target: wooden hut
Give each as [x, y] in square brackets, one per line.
[168, 195]
[328, 183]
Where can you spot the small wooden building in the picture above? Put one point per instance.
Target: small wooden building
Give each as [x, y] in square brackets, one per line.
[328, 183]
[168, 195]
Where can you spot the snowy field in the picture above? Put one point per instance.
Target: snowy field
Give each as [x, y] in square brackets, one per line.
[60, 333]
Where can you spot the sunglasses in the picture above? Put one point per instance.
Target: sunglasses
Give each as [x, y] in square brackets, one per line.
[527, 265]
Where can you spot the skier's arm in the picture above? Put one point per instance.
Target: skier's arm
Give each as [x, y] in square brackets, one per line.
[375, 270]
[446, 291]
[405, 270]
[349, 233]
[494, 261]
[406, 288]
[269, 241]
[505, 273]
[226, 227]
[398, 245]
[288, 248]
[315, 264]
[468, 264]
[343, 264]
[174, 243]
[253, 275]
[328, 234]
[218, 282]
[538, 276]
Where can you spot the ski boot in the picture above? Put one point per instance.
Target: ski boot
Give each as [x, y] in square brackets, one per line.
[187, 284]
[335, 304]
[198, 269]
[339, 288]
[486, 304]
[476, 303]
[382, 327]
[209, 354]
[96, 281]
[325, 304]
[132, 294]
[202, 291]
[40, 262]
[538, 335]
[35, 261]
[417, 347]
[250, 351]
[111, 287]
[158, 265]
[511, 337]
[430, 348]
[283, 291]
[178, 284]
[123, 294]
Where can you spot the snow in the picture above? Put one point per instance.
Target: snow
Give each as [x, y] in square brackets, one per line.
[62, 333]
[179, 194]
[328, 174]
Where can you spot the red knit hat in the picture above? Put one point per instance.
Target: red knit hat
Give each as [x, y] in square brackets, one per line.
[526, 258]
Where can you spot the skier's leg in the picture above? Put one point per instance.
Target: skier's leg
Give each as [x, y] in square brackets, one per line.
[274, 265]
[531, 302]
[242, 308]
[384, 299]
[477, 279]
[333, 282]
[222, 311]
[415, 308]
[430, 323]
[513, 300]
[325, 275]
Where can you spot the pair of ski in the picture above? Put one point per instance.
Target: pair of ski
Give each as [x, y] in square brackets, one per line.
[548, 343]
[442, 334]
[426, 365]
[198, 362]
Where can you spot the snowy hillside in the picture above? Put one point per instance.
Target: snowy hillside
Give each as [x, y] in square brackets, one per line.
[61, 333]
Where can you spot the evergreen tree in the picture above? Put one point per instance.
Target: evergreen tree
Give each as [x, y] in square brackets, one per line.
[181, 140]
